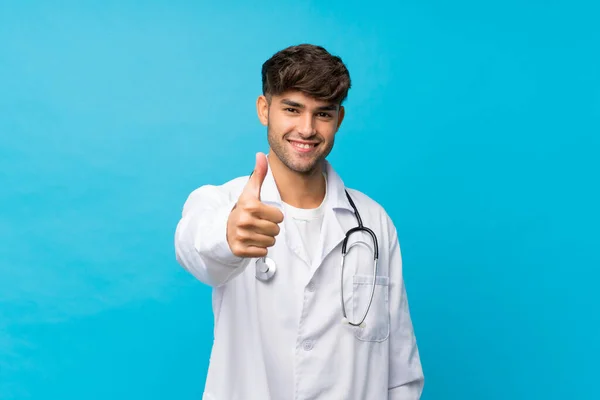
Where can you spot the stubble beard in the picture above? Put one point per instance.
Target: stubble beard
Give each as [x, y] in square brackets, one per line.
[277, 144]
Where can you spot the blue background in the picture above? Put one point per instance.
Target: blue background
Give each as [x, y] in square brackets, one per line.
[476, 124]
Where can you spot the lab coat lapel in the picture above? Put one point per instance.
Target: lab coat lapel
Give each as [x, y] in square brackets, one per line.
[294, 241]
[332, 234]
[269, 194]
[332, 231]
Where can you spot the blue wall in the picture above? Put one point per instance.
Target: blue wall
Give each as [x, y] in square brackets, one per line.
[476, 124]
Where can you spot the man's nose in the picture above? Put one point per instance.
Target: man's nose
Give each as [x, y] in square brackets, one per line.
[306, 126]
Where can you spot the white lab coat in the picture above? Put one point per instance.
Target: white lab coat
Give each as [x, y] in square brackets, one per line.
[284, 339]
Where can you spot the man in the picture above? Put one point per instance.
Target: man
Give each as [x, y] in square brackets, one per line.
[282, 326]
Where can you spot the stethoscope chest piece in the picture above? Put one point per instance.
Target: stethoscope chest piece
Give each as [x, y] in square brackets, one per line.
[265, 268]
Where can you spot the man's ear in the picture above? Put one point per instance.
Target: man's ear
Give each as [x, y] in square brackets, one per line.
[262, 109]
[341, 114]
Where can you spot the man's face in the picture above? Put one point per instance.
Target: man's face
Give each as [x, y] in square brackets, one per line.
[301, 129]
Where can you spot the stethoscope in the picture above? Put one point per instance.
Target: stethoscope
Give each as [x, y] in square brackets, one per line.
[266, 267]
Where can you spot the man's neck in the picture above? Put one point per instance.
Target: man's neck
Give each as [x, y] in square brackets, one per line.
[298, 190]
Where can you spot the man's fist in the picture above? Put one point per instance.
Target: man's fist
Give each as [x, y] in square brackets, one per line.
[252, 225]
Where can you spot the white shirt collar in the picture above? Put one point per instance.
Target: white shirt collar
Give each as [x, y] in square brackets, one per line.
[335, 199]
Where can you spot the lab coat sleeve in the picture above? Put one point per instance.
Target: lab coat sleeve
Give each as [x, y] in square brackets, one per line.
[406, 375]
[200, 238]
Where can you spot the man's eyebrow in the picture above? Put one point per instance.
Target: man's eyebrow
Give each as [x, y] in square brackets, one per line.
[292, 103]
[329, 107]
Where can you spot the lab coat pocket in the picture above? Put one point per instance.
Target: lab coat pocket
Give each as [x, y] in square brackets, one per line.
[377, 322]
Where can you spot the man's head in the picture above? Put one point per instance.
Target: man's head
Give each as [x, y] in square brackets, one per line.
[304, 87]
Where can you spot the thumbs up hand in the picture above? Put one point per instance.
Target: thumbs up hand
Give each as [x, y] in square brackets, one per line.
[252, 225]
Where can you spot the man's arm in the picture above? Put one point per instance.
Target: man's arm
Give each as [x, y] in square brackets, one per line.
[406, 374]
[201, 237]
[217, 237]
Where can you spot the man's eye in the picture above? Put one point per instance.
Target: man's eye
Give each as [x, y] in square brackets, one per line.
[290, 109]
[324, 115]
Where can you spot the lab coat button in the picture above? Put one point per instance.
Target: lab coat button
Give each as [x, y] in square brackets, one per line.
[307, 345]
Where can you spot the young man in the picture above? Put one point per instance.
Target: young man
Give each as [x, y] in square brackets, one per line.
[288, 323]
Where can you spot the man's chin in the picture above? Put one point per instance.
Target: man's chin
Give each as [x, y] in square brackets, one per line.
[299, 164]
[306, 167]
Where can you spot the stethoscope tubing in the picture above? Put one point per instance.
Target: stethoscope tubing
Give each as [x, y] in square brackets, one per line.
[266, 267]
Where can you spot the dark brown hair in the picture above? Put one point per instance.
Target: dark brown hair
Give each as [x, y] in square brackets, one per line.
[309, 69]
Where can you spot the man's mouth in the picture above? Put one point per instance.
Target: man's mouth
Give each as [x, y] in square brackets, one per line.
[303, 146]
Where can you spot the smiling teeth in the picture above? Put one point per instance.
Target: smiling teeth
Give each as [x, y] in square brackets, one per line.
[303, 146]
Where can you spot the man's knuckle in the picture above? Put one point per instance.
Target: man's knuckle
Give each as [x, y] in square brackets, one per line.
[245, 219]
[237, 250]
[279, 217]
[252, 206]
[241, 234]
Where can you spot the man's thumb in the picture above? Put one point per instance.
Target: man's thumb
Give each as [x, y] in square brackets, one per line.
[258, 175]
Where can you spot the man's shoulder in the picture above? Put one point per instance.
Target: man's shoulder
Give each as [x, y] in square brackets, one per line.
[232, 185]
[364, 201]
[235, 184]
[375, 211]
[218, 192]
